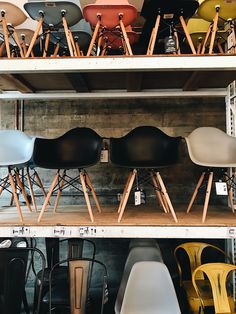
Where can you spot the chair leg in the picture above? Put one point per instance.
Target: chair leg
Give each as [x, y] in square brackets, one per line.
[66, 29]
[199, 47]
[47, 39]
[189, 39]
[33, 40]
[87, 179]
[18, 43]
[206, 39]
[86, 196]
[22, 190]
[46, 201]
[5, 32]
[4, 183]
[230, 193]
[126, 39]
[59, 191]
[214, 29]
[153, 37]
[13, 187]
[196, 191]
[177, 42]
[124, 191]
[2, 47]
[56, 49]
[95, 33]
[40, 184]
[73, 44]
[126, 194]
[31, 189]
[164, 191]
[208, 193]
[158, 193]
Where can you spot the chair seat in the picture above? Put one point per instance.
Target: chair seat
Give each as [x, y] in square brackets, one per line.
[207, 10]
[14, 15]
[110, 14]
[52, 11]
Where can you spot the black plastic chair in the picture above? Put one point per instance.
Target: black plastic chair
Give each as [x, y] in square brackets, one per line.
[162, 18]
[145, 147]
[78, 148]
[13, 276]
[54, 246]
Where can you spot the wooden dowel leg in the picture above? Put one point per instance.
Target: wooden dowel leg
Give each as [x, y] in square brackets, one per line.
[54, 182]
[158, 194]
[206, 39]
[164, 191]
[77, 47]
[153, 36]
[230, 192]
[126, 39]
[59, 191]
[40, 184]
[47, 39]
[56, 50]
[24, 47]
[214, 29]
[33, 40]
[189, 39]
[220, 47]
[127, 193]
[199, 46]
[13, 187]
[2, 47]
[208, 193]
[88, 181]
[195, 192]
[86, 196]
[95, 33]
[31, 189]
[18, 43]
[177, 43]
[73, 44]
[22, 190]
[5, 32]
[66, 29]
[124, 191]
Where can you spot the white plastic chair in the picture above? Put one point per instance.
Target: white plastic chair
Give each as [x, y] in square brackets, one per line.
[55, 13]
[211, 148]
[139, 251]
[150, 290]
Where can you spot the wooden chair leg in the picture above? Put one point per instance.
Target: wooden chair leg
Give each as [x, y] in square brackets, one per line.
[46, 201]
[214, 29]
[206, 39]
[189, 39]
[196, 191]
[126, 194]
[18, 43]
[33, 40]
[126, 39]
[40, 183]
[13, 187]
[56, 50]
[77, 47]
[22, 190]
[66, 29]
[2, 47]
[88, 180]
[164, 191]
[220, 47]
[47, 39]
[177, 42]
[199, 47]
[95, 33]
[158, 193]
[153, 37]
[208, 193]
[31, 189]
[59, 191]
[124, 191]
[5, 32]
[4, 183]
[86, 196]
[73, 44]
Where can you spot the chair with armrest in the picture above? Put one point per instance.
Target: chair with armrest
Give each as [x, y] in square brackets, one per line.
[218, 275]
[203, 148]
[145, 147]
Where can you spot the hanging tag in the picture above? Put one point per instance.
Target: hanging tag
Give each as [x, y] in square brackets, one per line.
[168, 16]
[137, 198]
[221, 188]
[230, 40]
[104, 155]
[143, 196]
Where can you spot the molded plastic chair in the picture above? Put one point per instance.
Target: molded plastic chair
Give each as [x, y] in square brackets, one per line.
[78, 148]
[203, 148]
[107, 15]
[54, 13]
[11, 13]
[139, 251]
[216, 12]
[145, 147]
[150, 290]
[162, 15]
[194, 252]
[217, 274]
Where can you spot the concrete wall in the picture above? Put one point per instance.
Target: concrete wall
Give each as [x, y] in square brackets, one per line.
[114, 118]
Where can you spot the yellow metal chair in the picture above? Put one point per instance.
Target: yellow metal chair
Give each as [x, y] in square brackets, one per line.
[217, 274]
[194, 251]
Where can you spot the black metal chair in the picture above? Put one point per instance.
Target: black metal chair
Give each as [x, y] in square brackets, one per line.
[13, 275]
[145, 147]
[163, 17]
[78, 148]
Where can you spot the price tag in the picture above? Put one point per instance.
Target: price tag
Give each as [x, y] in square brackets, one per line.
[221, 188]
[168, 16]
[104, 155]
[137, 198]
[230, 40]
[20, 231]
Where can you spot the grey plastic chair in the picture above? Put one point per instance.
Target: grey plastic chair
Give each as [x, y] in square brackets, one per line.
[213, 149]
[140, 251]
[54, 14]
[150, 290]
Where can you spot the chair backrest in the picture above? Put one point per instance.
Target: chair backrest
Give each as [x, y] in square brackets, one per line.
[203, 147]
[16, 148]
[217, 274]
[77, 148]
[136, 254]
[150, 290]
[14, 11]
[144, 147]
[194, 251]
